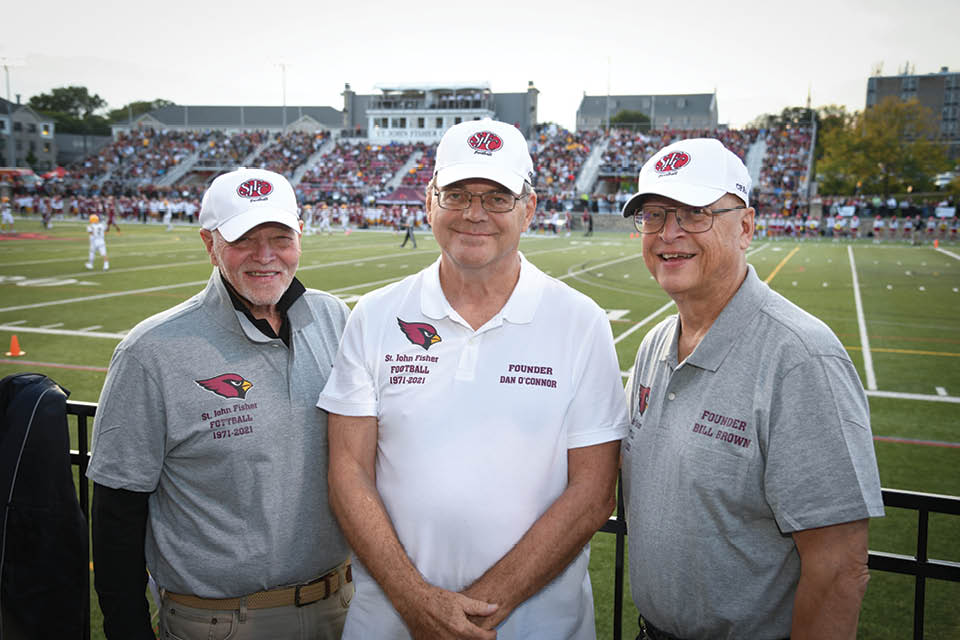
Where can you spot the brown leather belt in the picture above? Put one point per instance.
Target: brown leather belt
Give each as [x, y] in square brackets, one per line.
[297, 595]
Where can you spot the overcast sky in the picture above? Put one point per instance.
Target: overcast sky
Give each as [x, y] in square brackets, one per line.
[759, 56]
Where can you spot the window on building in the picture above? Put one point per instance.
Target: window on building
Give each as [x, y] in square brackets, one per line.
[398, 123]
[18, 126]
[439, 123]
[46, 147]
[31, 127]
[381, 123]
[46, 129]
[3, 125]
[421, 123]
[457, 120]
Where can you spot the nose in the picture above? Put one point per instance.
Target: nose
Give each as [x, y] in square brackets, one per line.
[671, 226]
[262, 252]
[475, 211]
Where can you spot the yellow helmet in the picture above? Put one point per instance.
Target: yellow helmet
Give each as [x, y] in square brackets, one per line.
[94, 219]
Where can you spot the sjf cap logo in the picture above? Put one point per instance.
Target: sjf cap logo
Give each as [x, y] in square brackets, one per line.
[485, 141]
[672, 161]
[254, 188]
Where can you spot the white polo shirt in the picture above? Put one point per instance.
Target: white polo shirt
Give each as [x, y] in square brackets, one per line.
[474, 428]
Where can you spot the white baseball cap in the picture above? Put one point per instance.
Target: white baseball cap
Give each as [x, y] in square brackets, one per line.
[696, 172]
[240, 200]
[484, 149]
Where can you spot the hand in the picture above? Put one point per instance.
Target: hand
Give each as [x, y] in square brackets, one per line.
[438, 614]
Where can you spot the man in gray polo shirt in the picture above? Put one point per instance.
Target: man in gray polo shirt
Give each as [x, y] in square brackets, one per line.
[749, 471]
[209, 456]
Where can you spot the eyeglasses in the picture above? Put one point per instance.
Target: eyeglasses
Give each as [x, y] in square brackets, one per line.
[651, 218]
[491, 201]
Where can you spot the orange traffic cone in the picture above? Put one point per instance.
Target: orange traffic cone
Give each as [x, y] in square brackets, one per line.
[936, 243]
[15, 348]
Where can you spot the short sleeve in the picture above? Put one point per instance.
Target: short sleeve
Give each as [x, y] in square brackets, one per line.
[821, 466]
[350, 389]
[598, 410]
[130, 429]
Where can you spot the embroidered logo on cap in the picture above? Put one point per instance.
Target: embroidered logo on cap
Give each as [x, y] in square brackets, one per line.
[419, 333]
[485, 142]
[672, 161]
[254, 188]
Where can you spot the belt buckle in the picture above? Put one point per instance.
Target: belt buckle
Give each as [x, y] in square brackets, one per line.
[326, 592]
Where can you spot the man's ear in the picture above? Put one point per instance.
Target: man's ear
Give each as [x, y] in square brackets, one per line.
[207, 237]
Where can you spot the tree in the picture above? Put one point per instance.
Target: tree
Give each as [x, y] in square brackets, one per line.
[882, 150]
[829, 118]
[76, 102]
[73, 109]
[788, 118]
[136, 108]
[633, 120]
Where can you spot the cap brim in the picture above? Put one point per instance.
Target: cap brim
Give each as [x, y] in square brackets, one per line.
[240, 224]
[691, 195]
[472, 171]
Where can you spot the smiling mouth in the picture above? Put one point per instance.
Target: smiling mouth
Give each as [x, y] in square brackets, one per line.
[262, 274]
[675, 256]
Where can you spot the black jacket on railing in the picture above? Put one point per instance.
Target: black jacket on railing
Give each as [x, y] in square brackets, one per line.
[43, 532]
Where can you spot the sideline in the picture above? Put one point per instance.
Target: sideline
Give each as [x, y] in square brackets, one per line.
[862, 324]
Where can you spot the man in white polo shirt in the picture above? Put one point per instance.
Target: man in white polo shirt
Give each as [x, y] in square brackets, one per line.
[749, 473]
[476, 412]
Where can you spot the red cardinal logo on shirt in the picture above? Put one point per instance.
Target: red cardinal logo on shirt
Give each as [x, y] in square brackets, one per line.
[419, 333]
[643, 397]
[227, 385]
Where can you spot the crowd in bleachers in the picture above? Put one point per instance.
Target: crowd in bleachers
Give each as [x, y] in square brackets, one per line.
[291, 150]
[357, 171]
[220, 149]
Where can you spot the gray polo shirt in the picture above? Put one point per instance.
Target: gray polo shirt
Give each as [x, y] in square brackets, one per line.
[217, 422]
[762, 431]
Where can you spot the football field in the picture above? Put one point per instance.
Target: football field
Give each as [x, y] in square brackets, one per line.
[896, 309]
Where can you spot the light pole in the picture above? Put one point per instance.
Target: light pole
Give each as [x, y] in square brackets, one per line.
[7, 63]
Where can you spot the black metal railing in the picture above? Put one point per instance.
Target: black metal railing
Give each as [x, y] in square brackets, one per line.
[920, 566]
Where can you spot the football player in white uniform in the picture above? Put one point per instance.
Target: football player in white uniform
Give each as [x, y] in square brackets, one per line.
[96, 230]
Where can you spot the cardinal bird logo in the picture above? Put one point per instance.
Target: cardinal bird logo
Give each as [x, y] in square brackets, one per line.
[227, 385]
[419, 333]
[643, 398]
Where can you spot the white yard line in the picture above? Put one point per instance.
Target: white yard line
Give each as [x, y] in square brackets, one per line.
[913, 396]
[195, 283]
[642, 322]
[571, 274]
[50, 326]
[862, 323]
[92, 327]
[62, 332]
[15, 322]
[948, 253]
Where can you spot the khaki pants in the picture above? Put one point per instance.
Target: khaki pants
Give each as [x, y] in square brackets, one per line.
[320, 620]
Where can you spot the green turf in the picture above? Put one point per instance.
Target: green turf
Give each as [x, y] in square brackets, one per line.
[914, 340]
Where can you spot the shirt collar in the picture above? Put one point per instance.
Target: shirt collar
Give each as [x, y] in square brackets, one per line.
[730, 324]
[520, 308]
[291, 295]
